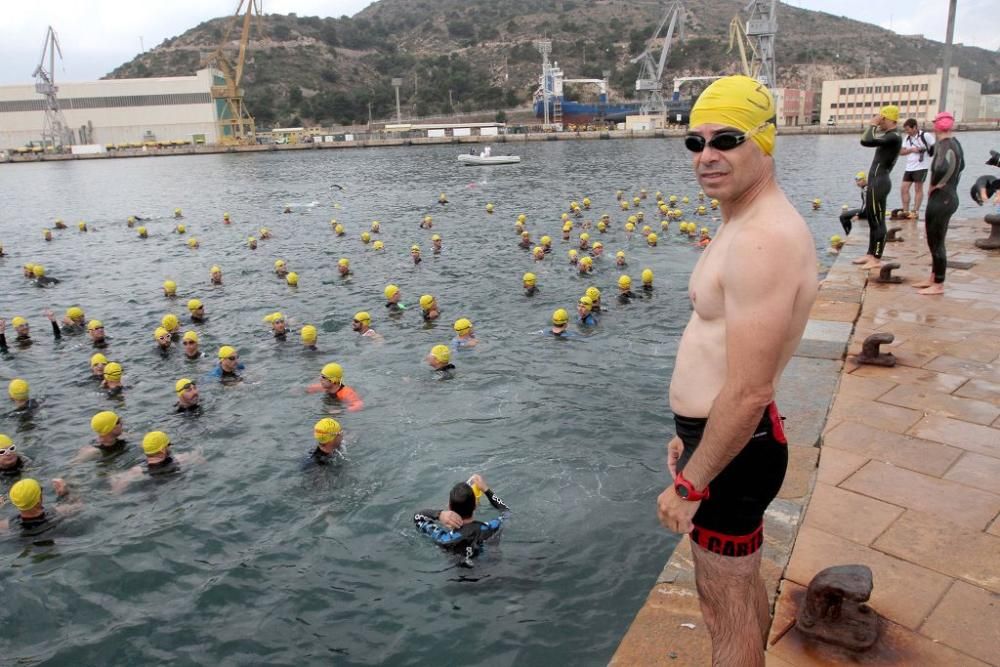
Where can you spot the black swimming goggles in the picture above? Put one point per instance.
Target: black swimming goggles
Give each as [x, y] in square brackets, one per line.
[726, 140]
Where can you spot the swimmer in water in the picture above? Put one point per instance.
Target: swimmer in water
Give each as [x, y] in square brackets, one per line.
[197, 310]
[442, 199]
[429, 308]
[362, 324]
[525, 242]
[466, 336]
[229, 369]
[20, 395]
[11, 461]
[339, 230]
[546, 243]
[365, 237]
[393, 295]
[287, 209]
[454, 529]
[529, 280]
[620, 259]
[439, 358]
[573, 256]
[143, 234]
[278, 325]
[112, 383]
[187, 397]
[47, 234]
[160, 461]
[169, 289]
[586, 265]
[436, 244]
[584, 241]
[629, 230]
[108, 427]
[178, 214]
[331, 384]
[264, 233]
[172, 324]
[215, 275]
[560, 325]
[225, 219]
[42, 280]
[595, 298]
[308, 335]
[426, 222]
[647, 280]
[74, 321]
[584, 309]
[252, 243]
[651, 240]
[344, 267]
[293, 278]
[567, 230]
[378, 245]
[376, 227]
[23, 329]
[597, 250]
[415, 254]
[97, 363]
[329, 437]
[538, 253]
[190, 344]
[280, 268]
[625, 294]
[32, 516]
[164, 342]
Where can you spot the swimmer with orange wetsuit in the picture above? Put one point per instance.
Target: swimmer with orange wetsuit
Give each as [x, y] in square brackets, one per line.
[331, 383]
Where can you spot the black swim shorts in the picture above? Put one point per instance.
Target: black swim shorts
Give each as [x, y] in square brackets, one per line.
[916, 176]
[731, 521]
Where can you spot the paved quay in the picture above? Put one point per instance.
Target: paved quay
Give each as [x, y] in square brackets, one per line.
[894, 468]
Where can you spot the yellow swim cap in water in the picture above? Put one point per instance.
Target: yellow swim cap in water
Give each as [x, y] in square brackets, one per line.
[889, 112]
[74, 313]
[593, 293]
[560, 317]
[326, 430]
[104, 422]
[308, 334]
[601, 225]
[545, 240]
[365, 237]
[739, 102]
[860, 176]
[170, 322]
[194, 304]
[538, 250]
[567, 226]
[113, 371]
[192, 242]
[462, 324]
[835, 239]
[624, 282]
[572, 253]
[587, 261]
[390, 291]
[169, 287]
[442, 353]
[215, 269]
[271, 318]
[529, 278]
[414, 248]
[333, 372]
[436, 237]
[226, 351]
[190, 335]
[363, 316]
[426, 301]
[647, 276]
[598, 245]
[585, 236]
[26, 494]
[651, 238]
[251, 240]
[279, 264]
[378, 245]
[98, 359]
[292, 278]
[182, 384]
[160, 331]
[629, 227]
[155, 442]
[38, 270]
[586, 301]
[141, 231]
[339, 229]
[343, 261]
[18, 389]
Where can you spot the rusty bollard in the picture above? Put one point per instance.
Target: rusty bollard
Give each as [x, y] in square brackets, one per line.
[890, 236]
[870, 353]
[835, 611]
[885, 273]
[993, 242]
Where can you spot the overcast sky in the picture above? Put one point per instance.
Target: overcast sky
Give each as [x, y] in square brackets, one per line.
[99, 35]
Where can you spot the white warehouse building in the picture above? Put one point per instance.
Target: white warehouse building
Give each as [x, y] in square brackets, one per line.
[116, 111]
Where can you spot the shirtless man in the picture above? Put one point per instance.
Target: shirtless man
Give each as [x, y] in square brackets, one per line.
[729, 456]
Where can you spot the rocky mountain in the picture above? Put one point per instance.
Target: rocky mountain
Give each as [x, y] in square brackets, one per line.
[467, 55]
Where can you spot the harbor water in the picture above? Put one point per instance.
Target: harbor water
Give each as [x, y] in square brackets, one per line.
[250, 557]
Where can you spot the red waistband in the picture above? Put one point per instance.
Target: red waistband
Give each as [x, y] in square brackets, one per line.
[729, 545]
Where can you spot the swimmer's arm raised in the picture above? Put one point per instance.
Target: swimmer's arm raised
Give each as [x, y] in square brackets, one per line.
[869, 140]
[758, 304]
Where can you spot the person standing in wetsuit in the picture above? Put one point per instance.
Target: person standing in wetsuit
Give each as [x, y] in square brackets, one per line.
[942, 199]
[887, 147]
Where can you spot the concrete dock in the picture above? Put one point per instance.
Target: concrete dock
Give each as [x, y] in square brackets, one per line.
[894, 468]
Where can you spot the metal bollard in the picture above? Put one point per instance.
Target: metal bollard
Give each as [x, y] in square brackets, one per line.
[835, 611]
[993, 242]
[890, 236]
[870, 353]
[885, 273]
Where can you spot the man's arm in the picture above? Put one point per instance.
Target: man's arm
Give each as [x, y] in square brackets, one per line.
[869, 140]
[758, 305]
[943, 167]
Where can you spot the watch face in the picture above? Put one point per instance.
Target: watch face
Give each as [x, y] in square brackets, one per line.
[682, 491]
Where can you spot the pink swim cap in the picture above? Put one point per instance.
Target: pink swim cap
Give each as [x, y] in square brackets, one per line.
[944, 121]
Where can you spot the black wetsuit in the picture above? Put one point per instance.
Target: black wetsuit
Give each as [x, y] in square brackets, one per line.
[946, 169]
[730, 521]
[116, 447]
[187, 409]
[468, 539]
[33, 526]
[847, 216]
[887, 149]
[394, 309]
[44, 281]
[14, 470]
[167, 466]
[625, 297]
[25, 341]
[530, 291]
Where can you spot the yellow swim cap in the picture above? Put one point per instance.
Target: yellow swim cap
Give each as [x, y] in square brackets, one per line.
[538, 250]
[333, 372]
[414, 248]
[190, 335]
[38, 270]
[601, 225]
[572, 253]
[74, 313]
[529, 278]
[181, 229]
[363, 316]
[593, 293]
[521, 217]
[194, 304]
[226, 351]
[489, 207]
[170, 322]
[339, 229]
[113, 371]
[567, 226]
[651, 238]
[560, 317]
[835, 239]
[141, 230]
[98, 359]
[740, 102]
[169, 286]
[620, 254]
[889, 112]
[587, 261]
[629, 227]
[264, 231]
[647, 276]
[251, 240]
[155, 442]
[274, 317]
[598, 244]
[624, 282]
[215, 269]
[326, 430]
[26, 494]
[18, 389]
[704, 230]
[860, 176]
[375, 225]
[308, 333]
[192, 242]
[426, 301]
[279, 264]
[378, 245]
[365, 237]
[225, 216]
[586, 301]
[104, 422]
[436, 237]
[390, 291]
[343, 261]
[525, 234]
[462, 324]
[182, 384]
[545, 240]
[585, 236]
[292, 278]
[160, 331]
[442, 353]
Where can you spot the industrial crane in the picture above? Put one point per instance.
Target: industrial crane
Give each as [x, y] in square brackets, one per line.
[738, 37]
[762, 26]
[55, 134]
[649, 84]
[235, 123]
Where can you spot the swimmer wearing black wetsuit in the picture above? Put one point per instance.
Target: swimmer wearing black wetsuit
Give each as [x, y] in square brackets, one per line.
[946, 169]
[879, 180]
[730, 520]
[167, 466]
[847, 217]
[468, 539]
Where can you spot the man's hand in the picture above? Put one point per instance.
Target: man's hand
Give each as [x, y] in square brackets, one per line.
[674, 512]
[59, 485]
[49, 315]
[450, 520]
[674, 450]
[478, 480]
[3, 325]
[876, 120]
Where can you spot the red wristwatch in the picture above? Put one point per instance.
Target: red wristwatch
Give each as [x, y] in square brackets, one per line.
[686, 490]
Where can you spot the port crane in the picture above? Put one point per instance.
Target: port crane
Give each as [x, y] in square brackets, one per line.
[235, 124]
[649, 83]
[761, 28]
[55, 133]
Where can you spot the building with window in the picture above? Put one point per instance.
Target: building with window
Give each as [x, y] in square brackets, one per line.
[855, 101]
[794, 106]
[989, 108]
[118, 111]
